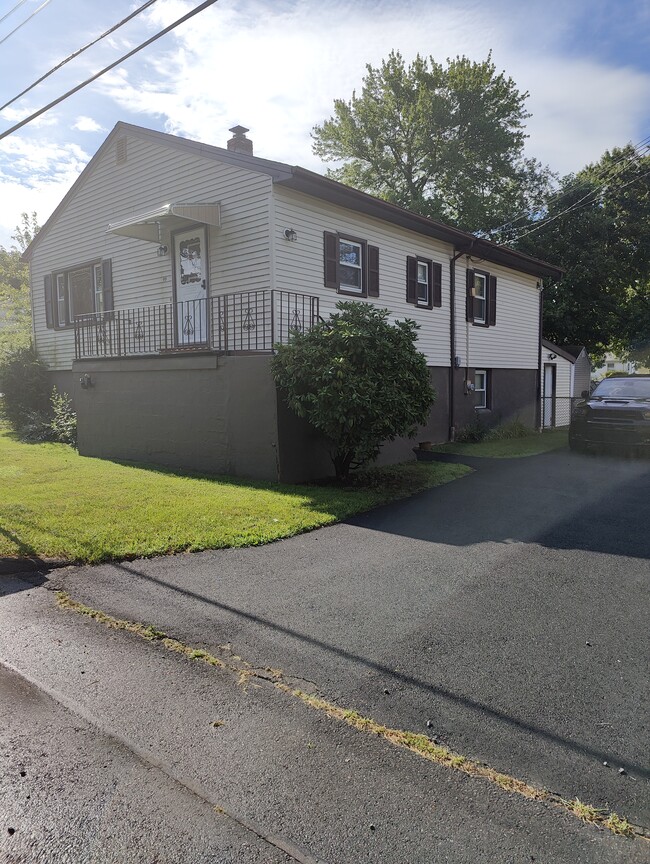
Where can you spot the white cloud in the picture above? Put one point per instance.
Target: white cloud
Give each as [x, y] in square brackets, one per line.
[278, 69]
[34, 175]
[87, 124]
[277, 66]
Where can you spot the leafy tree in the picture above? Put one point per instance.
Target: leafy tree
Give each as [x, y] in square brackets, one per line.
[15, 311]
[598, 231]
[444, 141]
[358, 379]
[25, 386]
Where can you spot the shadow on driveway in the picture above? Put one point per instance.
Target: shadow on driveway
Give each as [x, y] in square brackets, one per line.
[560, 500]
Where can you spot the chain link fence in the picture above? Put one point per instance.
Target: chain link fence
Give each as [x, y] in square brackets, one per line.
[558, 410]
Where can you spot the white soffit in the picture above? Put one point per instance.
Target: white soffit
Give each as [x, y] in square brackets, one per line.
[148, 226]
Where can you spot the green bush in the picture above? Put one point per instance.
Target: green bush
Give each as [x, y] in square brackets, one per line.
[25, 388]
[358, 379]
[472, 433]
[513, 429]
[64, 420]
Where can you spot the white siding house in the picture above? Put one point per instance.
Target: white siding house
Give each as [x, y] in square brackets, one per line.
[165, 276]
[565, 377]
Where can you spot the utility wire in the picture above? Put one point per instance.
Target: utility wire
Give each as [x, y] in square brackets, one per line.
[78, 52]
[181, 20]
[573, 207]
[17, 6]
[559, 194]
[29, 18]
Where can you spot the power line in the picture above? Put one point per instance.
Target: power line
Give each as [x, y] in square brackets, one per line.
[22, 23]
[17, 6]
[573, 207]
[559, 194]
[78, 52]
[181, 20]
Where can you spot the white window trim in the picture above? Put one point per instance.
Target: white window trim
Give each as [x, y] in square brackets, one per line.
[483, 279]
[62, 284]
[483, 389]
[343, 287]
[422, 301]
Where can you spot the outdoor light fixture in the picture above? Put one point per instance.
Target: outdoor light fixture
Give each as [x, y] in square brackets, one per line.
[290, 234]
[85, 381]
[161, 251]
[552, 356]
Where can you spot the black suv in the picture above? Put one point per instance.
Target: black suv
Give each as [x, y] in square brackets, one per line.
[616, 413]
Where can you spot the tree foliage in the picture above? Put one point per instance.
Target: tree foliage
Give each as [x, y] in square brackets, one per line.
[358, 379]
[444, 141]
[15, 310]
[598, 231]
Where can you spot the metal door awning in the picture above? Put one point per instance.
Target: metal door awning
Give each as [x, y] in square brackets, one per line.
[170, 217]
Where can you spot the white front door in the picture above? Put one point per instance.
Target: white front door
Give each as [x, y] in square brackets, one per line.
[191, 281]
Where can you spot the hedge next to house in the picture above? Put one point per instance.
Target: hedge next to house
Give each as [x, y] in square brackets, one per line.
[358, 379]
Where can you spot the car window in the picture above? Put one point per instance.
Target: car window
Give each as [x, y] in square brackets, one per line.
[624, 388]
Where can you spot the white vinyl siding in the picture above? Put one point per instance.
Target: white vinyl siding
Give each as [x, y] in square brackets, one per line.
[154, 174]
[299, 265]
[511, 343]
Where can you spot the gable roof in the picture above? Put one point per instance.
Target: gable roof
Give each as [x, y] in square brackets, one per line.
[575, 350]
[317, 186]
[562, 351]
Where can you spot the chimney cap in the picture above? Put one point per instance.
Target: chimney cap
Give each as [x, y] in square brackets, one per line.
[239, 130]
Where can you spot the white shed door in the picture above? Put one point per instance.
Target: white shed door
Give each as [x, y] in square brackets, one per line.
[549, 395]
[190, 279]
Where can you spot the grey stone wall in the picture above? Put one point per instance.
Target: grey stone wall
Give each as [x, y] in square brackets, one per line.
[513, 396]
[201, 412]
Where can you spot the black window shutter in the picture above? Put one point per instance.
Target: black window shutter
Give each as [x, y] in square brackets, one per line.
[373, 271]
[331, 259]
[107, 281]
[436, 284]
[492, 300]
[469, 305]
[411, 279]
[49, 306]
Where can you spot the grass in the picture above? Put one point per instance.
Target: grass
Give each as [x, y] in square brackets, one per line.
[416, 742]
[57, 504]
[510, 448]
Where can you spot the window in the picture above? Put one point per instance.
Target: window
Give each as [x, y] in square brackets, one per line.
[481, 388]
[351, 265]
[481, 298]
[81, 290]
[423, 282]
[479, 292]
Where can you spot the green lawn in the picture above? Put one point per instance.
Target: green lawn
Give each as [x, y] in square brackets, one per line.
[57, 504]
[509, 448]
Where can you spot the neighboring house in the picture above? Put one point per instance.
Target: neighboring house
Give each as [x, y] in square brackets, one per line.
[566, 373]
[164, 278]
[614, 364]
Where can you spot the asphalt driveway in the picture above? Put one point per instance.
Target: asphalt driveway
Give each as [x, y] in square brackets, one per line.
[505, 614]
[509, 609]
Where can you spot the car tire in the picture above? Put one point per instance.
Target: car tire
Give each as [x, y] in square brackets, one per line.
[576, 446]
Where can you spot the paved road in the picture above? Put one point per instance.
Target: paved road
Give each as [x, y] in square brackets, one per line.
[509, 609]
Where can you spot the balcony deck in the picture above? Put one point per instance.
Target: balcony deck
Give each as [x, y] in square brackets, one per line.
[250, 321]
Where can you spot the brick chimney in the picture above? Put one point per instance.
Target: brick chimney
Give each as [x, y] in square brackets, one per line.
[239, 143]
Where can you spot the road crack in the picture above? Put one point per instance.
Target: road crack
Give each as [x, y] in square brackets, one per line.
[415, 742]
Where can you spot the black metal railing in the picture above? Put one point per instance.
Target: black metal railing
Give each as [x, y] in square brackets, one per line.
[227, 323]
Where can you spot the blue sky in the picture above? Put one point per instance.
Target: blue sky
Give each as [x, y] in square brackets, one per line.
[277, 65]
